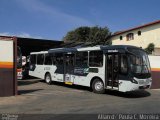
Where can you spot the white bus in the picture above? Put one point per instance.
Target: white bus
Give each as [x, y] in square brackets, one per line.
[119, 67]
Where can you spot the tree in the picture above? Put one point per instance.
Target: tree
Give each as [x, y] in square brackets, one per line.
[150, 48]
[96, 35]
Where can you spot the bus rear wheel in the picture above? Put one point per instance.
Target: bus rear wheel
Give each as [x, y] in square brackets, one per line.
[48, 79]
[98, 86]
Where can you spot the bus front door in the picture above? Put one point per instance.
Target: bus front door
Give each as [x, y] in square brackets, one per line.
[112, 71]
[69, 68]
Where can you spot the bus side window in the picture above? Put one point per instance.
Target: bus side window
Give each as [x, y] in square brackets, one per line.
[48, 60]
[33, 59]
[82, 59]
[40, 59]
[54, 60]
[96, 59]
[124, 67]
[59, 59]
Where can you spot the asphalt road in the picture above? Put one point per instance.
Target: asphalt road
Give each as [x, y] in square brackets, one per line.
[36, 97]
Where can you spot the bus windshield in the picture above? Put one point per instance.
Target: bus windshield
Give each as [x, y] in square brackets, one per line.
[139, 63]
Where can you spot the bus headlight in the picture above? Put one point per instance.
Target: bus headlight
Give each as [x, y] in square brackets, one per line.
[150, 79]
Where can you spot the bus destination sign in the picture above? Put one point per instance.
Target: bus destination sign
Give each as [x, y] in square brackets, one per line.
[112, 51]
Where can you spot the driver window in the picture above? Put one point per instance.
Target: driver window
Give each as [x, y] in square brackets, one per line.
[124, 67]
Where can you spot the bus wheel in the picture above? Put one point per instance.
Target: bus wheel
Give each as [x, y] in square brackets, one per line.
[98, 86]
[48, 78]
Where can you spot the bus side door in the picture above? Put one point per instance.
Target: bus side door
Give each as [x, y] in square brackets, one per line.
[59, 67]
[69, 63]
[112, 70]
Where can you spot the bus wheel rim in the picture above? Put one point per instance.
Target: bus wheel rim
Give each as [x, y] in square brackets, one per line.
[47, 79]
[98, 86]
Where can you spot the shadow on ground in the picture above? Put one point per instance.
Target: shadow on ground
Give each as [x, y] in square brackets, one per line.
[132, 94]
[27, 82]
[21, 92]
[76, 87]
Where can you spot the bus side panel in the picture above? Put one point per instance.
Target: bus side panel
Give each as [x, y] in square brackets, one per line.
[86, 80]
[82, 80]
[52, 70]
[34, 72]
[37, 72]
[40, 71]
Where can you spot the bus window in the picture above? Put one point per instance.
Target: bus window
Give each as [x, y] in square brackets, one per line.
[82, 59]
[124, 67]
[40, 59]
[53, 60]
[48, 60]
[59, 58]
[69, 58]
[96, 59]
[33, 59]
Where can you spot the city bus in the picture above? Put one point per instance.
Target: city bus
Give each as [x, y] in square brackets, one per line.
[118, 67]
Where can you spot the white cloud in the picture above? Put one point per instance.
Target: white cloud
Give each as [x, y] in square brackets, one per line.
[22, 34]
[4, 34]
[52, 12]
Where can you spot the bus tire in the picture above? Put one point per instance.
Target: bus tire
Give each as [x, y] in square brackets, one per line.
[48, 79]
[98, 86]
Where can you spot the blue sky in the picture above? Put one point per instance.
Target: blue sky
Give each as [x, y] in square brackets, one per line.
[52, 19]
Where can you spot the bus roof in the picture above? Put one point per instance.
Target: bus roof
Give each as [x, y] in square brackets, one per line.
[120, 48]
[74, 49]
[59, 50]
[41, 52]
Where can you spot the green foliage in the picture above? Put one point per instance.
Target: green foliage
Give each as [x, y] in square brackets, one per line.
[150, 48]
[96, 35]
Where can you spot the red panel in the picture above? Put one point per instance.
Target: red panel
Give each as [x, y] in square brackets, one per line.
[155, 79]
